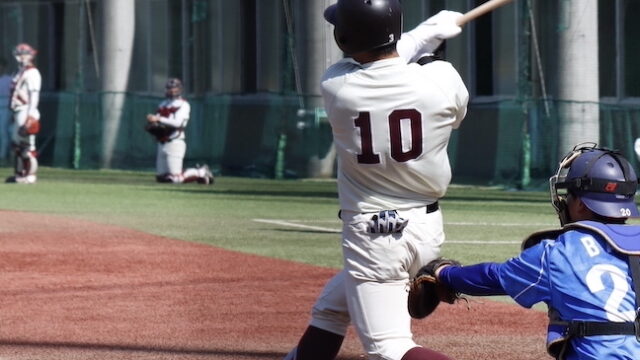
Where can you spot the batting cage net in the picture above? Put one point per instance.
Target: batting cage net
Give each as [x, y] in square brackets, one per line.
[251, 73]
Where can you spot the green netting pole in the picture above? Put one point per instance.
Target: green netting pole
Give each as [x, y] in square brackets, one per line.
[525, 88]
[526, 159]
[282, 144]
[77, 151]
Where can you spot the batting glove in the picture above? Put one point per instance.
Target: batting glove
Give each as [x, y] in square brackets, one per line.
[387, 222]
[426, 37]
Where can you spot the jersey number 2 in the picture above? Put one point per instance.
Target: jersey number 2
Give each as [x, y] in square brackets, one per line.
[368, 156]
[616, 297]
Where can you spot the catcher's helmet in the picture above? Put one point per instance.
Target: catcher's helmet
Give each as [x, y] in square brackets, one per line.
[24, 49]
[602, 178]
[173, 83]
[173, 88]
[361, 25]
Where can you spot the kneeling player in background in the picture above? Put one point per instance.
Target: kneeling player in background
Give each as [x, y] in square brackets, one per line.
[167, 125]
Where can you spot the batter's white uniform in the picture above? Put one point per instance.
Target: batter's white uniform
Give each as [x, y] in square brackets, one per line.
[391, 124]
[25, 97]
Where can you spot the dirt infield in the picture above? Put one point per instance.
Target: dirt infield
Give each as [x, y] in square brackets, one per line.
[73, 289]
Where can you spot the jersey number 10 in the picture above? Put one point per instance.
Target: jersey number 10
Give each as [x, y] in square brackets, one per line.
[363, 121]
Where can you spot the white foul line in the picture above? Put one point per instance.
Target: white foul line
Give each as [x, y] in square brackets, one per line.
[302, 226]
[455, 223]
[337, 231]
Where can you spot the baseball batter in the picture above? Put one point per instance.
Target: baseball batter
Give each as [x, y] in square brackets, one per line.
[391, 123]
[168, 125]
[588, 272]
[25, 96]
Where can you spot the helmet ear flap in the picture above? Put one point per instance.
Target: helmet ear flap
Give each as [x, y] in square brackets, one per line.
[563, 211]
[559, 201]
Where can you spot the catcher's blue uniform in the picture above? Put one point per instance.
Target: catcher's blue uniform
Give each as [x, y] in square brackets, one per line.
[581, 272]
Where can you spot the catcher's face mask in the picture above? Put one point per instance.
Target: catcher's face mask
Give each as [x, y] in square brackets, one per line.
[173, 88]
[24, 59]
[559, 195]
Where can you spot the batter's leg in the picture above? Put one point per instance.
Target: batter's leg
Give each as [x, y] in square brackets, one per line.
[380, 317]
[330, 318]
[316, 344]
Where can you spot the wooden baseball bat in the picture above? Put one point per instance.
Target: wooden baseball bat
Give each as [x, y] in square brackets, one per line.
[481, 10]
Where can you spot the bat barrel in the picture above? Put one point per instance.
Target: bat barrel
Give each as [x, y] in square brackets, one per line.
[481, 10]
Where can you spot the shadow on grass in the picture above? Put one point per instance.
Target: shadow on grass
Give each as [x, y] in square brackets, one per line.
[202, 190]
[171, 351]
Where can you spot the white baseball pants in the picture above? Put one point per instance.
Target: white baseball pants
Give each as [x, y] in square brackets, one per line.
[170, 156]
[371, 291]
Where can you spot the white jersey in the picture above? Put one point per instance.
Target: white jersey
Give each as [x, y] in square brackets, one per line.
[175, 112]
[391, 124]
[25, 91]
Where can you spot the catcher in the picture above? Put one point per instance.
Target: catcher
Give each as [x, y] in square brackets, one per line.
[167, 126]
[587, 272]
[25, 97]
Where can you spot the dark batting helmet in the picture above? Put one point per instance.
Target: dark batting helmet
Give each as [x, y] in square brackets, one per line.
[361, 25]
[602, 178]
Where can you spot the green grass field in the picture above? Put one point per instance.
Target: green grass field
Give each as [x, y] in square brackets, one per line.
[288, 219]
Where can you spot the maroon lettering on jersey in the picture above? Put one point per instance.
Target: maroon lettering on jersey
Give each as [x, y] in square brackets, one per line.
[166, 111]
[363, 121]
[395, 132]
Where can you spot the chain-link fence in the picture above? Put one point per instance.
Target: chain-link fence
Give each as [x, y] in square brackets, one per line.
[251, 75]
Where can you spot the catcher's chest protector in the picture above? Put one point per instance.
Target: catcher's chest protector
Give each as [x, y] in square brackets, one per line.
[621, 238]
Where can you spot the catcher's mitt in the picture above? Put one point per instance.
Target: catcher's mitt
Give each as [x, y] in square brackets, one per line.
[426, 291]
[31, 127]
[159, 130]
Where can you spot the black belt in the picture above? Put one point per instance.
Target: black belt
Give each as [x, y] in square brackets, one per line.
[430, 208]
[433, 207]
[590, 328]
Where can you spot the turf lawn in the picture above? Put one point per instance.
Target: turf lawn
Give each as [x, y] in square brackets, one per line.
[289, 219]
